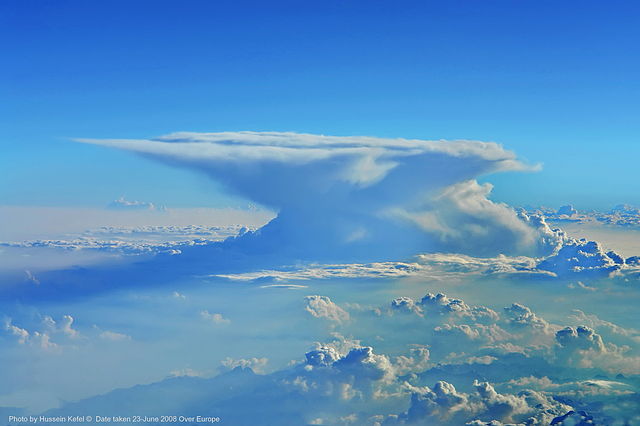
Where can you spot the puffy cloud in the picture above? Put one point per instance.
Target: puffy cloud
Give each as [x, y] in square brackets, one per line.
[348, 371]
[463, 219]
[416, 360]
[37, 338]
[256, 364]
[522, 316]
[344, 380]
[42, 337]
[579, 339]
[462, 330]
[362, 364]
[440, 402]
[21, 333]
[444, 405]
[323, 307]
[323, 356]
[595, 322]
[63, 326]
[443, 305]
[405, 304]
[355, 197]
[583, 347]
[582, 256]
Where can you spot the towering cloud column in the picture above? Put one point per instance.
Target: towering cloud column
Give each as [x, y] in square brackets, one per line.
[356, 197]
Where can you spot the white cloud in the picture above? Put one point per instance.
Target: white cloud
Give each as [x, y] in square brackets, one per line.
[64, 326]
[594, 321]
[256, 364]
[463, 219]
[215, 318]
[521, 316]
[372, 270]
[323, 307]
[583, 347]
[405, 304]
[443, 404]
[441, 304]
[22, 334]
[356, 196]
[344, 376]
[39, 339]
[581, 256]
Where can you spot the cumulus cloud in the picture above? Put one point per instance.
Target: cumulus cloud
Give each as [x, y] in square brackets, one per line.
[20, 333]
[346, 371]
[522, 316]
[582, 347]
[406, 304]
[462, 218]
[256, 364]
[579, 339]
[500, 373]
[442, 305]
[582, 257]
[39, 339]
[323, 307]
[444, 404]
[355, 197]
[595, 322]
[40, 335]
[63, 326]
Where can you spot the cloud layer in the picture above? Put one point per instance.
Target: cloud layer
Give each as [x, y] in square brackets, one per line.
[460, 364]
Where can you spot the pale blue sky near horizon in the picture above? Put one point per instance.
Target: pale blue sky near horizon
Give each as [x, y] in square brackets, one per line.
[555, 82]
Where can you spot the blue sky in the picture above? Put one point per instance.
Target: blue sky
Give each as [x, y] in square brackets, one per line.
[335, 293]
[554, 81]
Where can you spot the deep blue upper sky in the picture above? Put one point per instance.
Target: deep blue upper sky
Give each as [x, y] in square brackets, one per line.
[555, 81]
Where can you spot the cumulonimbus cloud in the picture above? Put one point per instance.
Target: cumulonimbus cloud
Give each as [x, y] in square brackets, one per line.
[355, 196]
